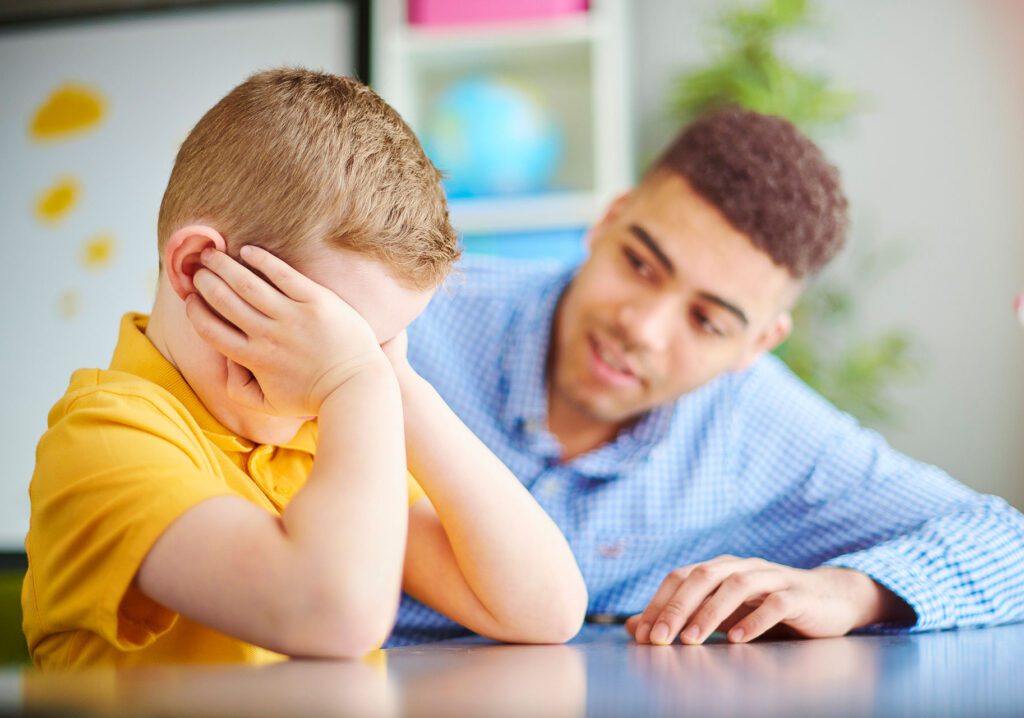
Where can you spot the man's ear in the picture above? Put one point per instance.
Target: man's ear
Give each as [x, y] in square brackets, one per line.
[181, 255]
[770, 338]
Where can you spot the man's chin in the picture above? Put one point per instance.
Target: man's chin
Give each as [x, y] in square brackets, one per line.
[607, 410]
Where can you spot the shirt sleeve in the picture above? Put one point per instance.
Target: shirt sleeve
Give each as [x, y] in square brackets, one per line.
[848, 499]
[415, 492]
[111, 475]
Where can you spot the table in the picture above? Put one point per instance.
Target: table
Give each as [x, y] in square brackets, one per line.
[601, 673]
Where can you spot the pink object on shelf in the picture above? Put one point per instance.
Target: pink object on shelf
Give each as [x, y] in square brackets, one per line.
[460, 12]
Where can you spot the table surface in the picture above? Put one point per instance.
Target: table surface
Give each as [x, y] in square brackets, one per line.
[601, 673]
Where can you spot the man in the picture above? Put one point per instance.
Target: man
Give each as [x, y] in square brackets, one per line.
[700, 484]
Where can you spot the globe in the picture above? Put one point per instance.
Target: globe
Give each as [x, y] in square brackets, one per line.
[493, 136]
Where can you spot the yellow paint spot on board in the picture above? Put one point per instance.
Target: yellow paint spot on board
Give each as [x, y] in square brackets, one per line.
[56, 202]
[70, 109]
[98, 251]
[69, 304]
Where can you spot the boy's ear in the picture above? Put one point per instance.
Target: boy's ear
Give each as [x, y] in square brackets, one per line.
[181, 255]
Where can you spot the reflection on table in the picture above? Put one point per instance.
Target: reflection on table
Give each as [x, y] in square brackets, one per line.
[957, 673]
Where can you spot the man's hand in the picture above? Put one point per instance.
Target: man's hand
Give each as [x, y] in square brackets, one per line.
[748, 596]
[289, 341]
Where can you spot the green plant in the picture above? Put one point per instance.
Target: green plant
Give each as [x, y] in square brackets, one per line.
[748, 69]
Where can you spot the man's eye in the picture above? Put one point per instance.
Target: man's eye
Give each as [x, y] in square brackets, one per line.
[639, 266]
[705, 324]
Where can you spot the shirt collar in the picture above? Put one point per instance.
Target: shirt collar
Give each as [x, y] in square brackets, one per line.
[525, 414]
[135, 354]
[525, 354]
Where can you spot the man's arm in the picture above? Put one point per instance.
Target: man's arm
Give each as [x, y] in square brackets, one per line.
[956, 557]
[481, 551]
[876, 537]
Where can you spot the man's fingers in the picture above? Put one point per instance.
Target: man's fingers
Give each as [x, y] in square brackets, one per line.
[216, 332]
[665, 591]
[776, 608]
[281, 274]
[700, 583]
[734, 591]
[248, 285]
[631, 624]
[221, 298]
[668, 587]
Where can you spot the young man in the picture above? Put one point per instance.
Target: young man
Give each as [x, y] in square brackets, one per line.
[700, 484]
[186, 506]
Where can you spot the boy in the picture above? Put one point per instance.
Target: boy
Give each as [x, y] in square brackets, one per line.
[185, 505]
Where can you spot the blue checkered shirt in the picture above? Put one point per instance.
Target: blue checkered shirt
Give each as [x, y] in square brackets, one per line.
[753, 463]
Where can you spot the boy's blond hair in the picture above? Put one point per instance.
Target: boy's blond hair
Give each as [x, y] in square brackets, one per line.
[291, 158]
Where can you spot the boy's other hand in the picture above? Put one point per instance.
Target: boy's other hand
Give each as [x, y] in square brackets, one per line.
[289, 341]
[396, 350]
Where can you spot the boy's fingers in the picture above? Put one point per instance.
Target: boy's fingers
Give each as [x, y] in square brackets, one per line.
[247, 284]
[216, 332]
[221, 297]
[243, 388]
[281, 274]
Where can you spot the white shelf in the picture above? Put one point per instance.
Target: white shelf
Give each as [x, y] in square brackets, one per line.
[571, 30]
[533, 213]
[579, 63]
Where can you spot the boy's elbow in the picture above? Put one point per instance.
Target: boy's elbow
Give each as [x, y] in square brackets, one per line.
[568, 620]
[341, 624]
[558, 622]
[564, 629]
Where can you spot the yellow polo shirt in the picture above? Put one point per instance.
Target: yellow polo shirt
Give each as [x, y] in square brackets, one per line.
[128, 451]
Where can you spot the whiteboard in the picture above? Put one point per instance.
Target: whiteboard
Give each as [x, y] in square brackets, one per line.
[79, 203]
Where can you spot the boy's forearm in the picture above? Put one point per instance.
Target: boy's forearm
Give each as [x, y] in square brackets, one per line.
[511, 554]
[348, 524]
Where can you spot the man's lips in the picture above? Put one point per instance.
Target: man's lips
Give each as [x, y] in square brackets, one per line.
[610, 364]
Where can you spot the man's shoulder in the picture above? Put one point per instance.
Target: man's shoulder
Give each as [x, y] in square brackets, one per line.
[486, 292]
[481, 278]
[773, 401]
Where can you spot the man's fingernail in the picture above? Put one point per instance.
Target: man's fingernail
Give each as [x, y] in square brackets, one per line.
[692, 633]
[660, 633]
[736, 635]
[643, 632]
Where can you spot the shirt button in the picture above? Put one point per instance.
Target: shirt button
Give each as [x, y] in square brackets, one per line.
[611, 550]
[533, 426]
[549, 490]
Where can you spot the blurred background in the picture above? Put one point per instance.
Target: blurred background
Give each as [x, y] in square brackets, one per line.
[539, 112]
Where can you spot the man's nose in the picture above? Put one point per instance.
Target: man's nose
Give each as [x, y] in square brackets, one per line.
[648, 325]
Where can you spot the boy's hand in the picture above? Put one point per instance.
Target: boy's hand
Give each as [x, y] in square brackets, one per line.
[396, 350]
[290, 342]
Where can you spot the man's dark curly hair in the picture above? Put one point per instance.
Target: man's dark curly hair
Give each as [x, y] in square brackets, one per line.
[771, 183]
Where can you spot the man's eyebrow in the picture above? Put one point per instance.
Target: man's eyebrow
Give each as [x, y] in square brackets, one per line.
[715, 299]
[648, 241]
